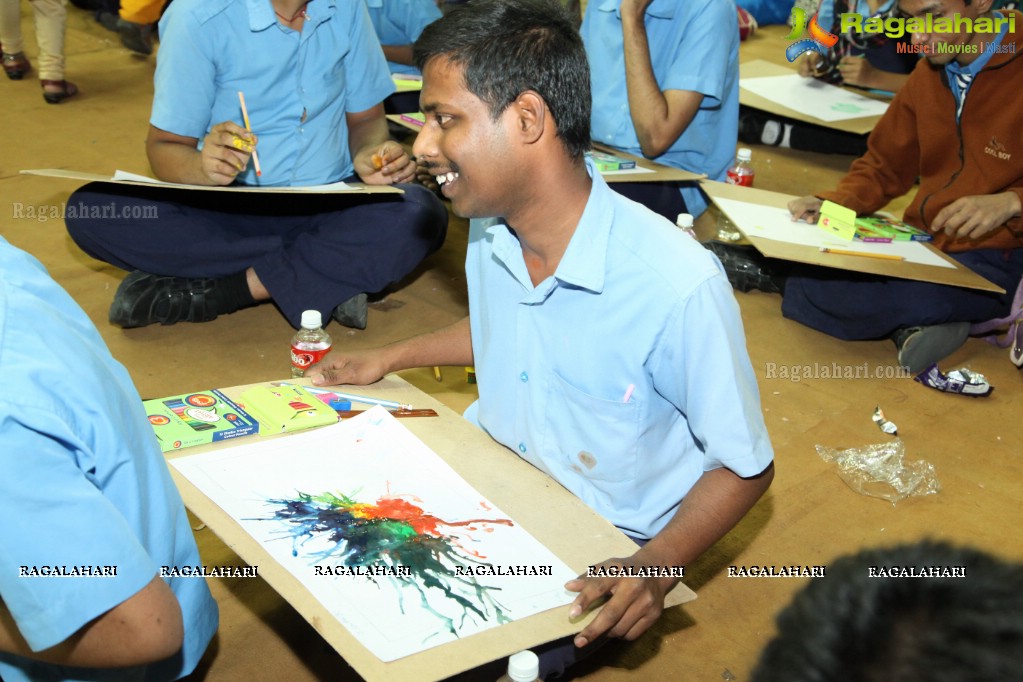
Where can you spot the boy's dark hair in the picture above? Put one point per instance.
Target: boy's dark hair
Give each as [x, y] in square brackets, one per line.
[507, 47]
[851, 627]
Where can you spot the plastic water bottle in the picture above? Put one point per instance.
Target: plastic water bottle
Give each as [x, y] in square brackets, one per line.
[309, 344]
[741, 172]
[684, 222]
[522, 667]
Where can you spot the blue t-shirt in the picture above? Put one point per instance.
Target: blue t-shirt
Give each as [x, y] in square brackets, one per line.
[81, 471]
[624, 375]
[693, 46]
[298, 86]
[399, 22]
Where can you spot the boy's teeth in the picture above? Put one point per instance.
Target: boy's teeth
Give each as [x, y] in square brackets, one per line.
[446, 177]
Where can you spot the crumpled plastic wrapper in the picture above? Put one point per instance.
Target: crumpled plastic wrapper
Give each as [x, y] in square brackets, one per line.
[962, 380]
[879, 471]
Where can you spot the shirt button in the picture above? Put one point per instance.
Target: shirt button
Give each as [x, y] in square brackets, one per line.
[522, 448]
[523, 377]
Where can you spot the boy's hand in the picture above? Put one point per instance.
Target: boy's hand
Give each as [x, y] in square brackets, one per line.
[806, 208]
[384, 164]
[972, 217]
[358, 367]
[226, 151]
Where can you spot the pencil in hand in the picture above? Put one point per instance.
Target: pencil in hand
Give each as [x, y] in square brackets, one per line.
[245, 117]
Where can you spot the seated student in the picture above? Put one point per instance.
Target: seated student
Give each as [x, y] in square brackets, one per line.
[949, 127]
[397, 24]
[867, 620]
[313, 77]
[92, 513]
[871, 61]
[655, 422]
[665, 81]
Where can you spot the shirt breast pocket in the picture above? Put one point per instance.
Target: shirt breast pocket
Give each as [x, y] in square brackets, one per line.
[595, 437]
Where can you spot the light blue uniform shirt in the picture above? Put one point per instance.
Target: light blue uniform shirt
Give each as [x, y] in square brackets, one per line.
[693, 46]
[298, 86]
[634, 302]
[82, 483]
[399, 22]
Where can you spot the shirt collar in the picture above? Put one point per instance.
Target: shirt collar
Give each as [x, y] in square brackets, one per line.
[262, 16]
[978, 64]
[662, 9]
[584, 263]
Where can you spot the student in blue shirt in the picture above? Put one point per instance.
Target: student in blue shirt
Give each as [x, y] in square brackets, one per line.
[608, 348]
[313, 76]
[91, 513]
[397, 24]
[665, 82]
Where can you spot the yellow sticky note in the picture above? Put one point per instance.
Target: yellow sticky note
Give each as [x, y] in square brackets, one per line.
[838, 220]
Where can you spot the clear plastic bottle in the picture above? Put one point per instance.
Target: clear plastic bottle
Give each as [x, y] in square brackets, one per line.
[309, 344]
[741, 172]
[684, 222]
[522, 667]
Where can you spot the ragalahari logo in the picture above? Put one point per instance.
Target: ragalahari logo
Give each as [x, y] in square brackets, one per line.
[819, 41]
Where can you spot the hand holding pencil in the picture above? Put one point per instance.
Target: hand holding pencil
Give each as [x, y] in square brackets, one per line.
[225, 152]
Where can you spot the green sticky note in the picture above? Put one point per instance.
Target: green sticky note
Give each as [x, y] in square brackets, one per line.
[838, 220]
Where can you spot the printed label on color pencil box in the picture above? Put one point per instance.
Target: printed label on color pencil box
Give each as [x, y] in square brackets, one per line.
[209, 571]
[67, 571]
[776, 571]
[636, 571]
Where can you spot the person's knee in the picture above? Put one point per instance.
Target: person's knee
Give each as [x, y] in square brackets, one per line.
[427, 213]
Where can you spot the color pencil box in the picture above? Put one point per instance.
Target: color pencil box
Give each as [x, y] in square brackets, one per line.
[197, 418]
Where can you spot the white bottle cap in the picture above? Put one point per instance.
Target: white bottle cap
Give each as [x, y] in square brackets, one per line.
[745, 154]
[524, 666]
[311, 319]
[684, 220]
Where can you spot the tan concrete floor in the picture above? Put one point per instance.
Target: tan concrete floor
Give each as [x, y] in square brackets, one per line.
[808, 517]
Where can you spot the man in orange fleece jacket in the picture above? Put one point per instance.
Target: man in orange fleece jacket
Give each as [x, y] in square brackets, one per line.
[956, 125]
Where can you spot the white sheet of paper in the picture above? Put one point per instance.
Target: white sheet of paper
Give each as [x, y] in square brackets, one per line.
[767, 222]
[813, 97]
[389, 477]
[330, 187]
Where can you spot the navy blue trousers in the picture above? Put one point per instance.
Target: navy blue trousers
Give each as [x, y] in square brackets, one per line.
[854, 306]
[662, 198]
[310, 251]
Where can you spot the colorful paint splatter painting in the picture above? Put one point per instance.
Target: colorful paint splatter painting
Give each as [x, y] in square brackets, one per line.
[391, 540]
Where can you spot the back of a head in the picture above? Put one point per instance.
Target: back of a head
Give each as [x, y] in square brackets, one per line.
[850, 626]
[507, 47]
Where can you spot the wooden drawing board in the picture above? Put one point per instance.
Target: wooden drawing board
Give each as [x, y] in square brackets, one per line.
[554, 516]
[957, 276]
[759, 68]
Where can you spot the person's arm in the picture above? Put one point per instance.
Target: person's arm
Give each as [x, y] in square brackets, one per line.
[399, 54]
[378, 160]
[973, 217]
[145, 628]
[711, 508]
[859, 72]
[176, 158]
[659, 117]
[451, 345]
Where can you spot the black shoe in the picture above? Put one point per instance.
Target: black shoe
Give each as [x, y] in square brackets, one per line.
[353, 312]
[751, 127]
[144, 299]
[107, 20]
[136, 37]
[921, 347]
[745, 268]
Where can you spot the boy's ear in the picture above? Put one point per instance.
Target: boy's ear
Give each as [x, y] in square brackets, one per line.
[531, 116]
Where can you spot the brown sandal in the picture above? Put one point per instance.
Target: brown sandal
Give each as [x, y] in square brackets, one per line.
[69, 89]
[16, 65]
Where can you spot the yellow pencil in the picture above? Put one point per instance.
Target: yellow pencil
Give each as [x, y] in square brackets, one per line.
[865, 254]
[436, 374]
[245, 117]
